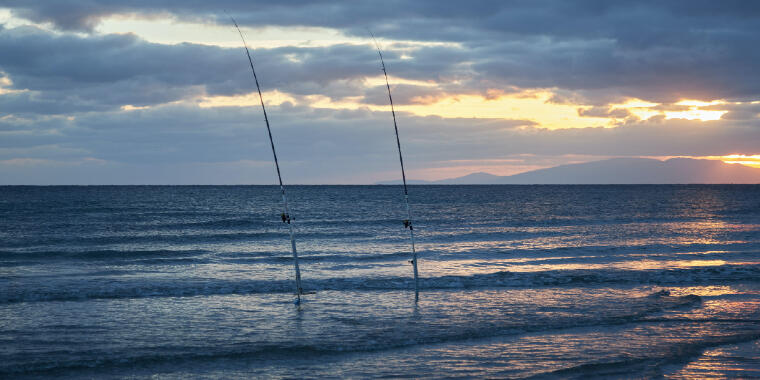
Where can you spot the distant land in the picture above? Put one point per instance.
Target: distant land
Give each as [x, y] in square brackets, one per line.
[617, 171]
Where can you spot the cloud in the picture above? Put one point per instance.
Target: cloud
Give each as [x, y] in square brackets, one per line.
[69, 73]
[738, 112]
[64, 91]
[90, 73]
[597, 111]
[659, 51]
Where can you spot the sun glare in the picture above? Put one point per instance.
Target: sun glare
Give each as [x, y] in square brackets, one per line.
[694, 112]
[749, 160]
[699, 103]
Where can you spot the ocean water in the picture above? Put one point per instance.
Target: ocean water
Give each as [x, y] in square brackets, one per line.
[516, 282]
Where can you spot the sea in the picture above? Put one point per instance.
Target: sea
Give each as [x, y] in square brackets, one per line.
[650, 281]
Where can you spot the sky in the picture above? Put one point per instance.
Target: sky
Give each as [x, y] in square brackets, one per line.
[160, 91]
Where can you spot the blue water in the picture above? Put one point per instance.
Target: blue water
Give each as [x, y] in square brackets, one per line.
[516, 281]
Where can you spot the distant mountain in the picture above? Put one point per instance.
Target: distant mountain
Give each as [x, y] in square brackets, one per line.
[472, 179]
[620, 171]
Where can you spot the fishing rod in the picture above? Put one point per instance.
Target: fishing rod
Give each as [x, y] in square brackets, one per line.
[285, 216]
[408, 220]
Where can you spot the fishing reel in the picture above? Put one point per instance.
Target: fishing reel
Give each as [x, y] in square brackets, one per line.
[285, 218]
[408, 224]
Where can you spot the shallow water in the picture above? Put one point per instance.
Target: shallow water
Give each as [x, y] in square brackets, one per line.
[516, 281]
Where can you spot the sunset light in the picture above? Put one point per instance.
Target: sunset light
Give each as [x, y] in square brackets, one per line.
[695, 112]
[467, 103]
[749, 160]
[645, 110]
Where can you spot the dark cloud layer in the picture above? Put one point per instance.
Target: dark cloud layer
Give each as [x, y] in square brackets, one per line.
[69, 73]
[103, 71]
[660, 50]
